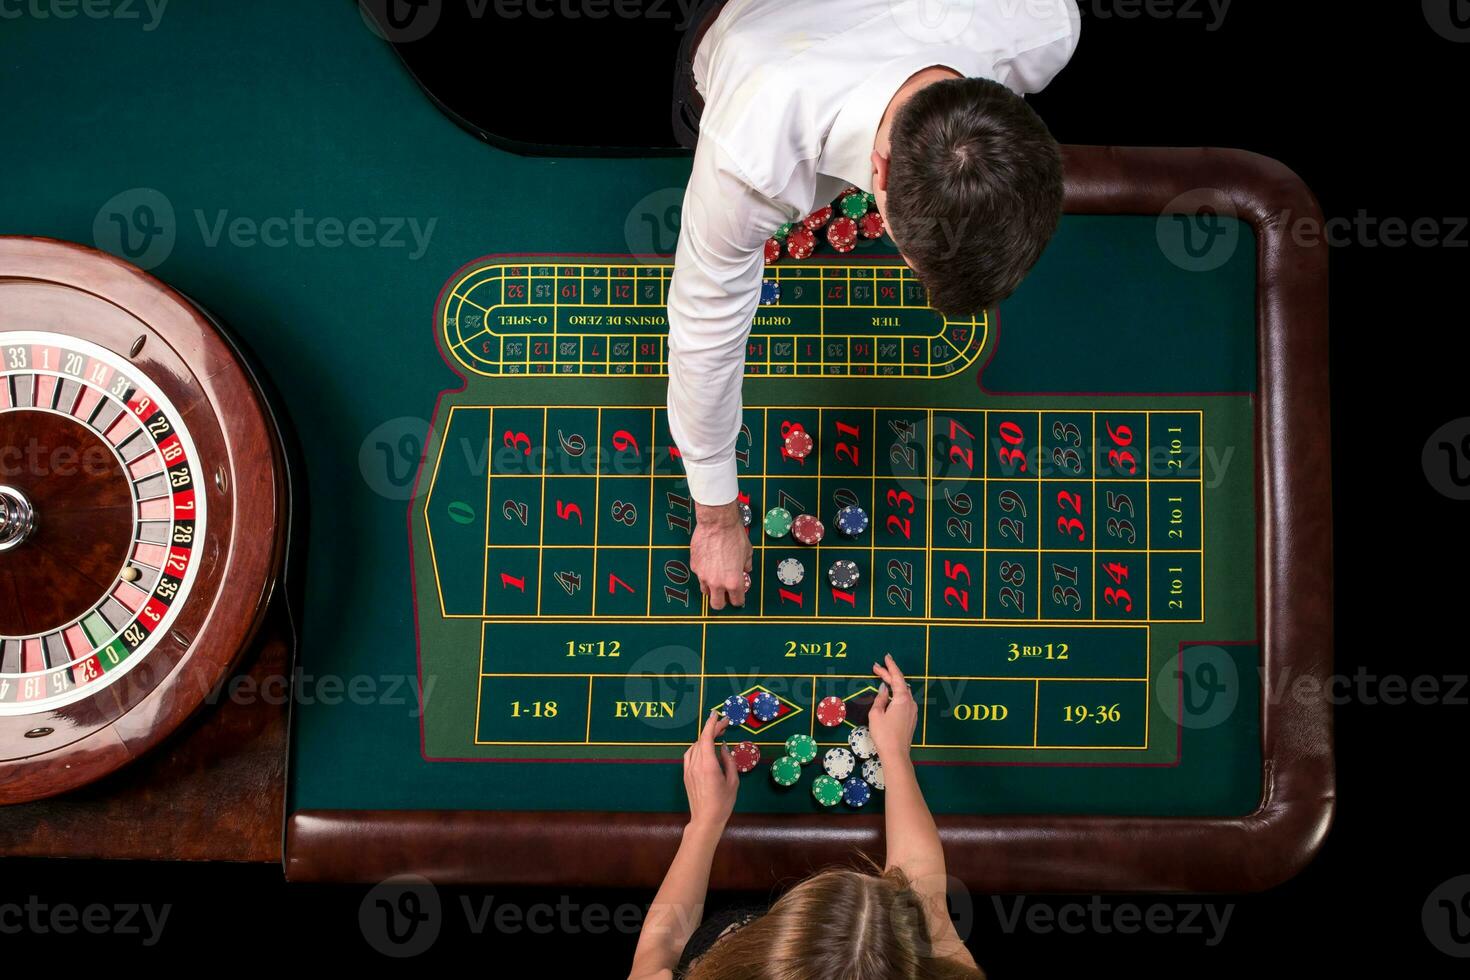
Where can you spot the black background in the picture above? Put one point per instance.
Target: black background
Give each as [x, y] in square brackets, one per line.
[1365, 102]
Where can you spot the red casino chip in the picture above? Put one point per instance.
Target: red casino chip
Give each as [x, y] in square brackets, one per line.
[818, 218]
[746, 755]
[801, 243]
[799, 444]
[806, 529]
[842, 230]
[773, 250]
[831, 711]
[871, 225]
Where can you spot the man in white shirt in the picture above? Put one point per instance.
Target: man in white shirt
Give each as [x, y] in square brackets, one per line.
[916, 101]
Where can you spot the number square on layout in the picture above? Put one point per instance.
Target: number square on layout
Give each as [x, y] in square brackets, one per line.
[900, 583]
[622, 582]
[515, 510]
[673, 511]
[956, 583]
[570, 511]
[1066, 445]
[845, 442]
[1121, 452]
[1014, 446]
[517, 441]
[1066, 589]
[625, 445]
[571, 441]
[674, 589]
[1122, 586]
[1012, 584]
[625, 508]
[512, 581]
[1013, 515]
[959, 509]
[1067, 515]
[1122, 516]
[567, 582]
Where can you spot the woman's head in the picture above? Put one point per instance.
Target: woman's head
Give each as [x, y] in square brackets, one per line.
[837, 925]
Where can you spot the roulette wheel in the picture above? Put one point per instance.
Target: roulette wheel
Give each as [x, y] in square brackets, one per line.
[142, 513]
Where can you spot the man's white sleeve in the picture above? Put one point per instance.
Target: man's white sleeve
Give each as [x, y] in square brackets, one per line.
[712, 299]
[1047, 35]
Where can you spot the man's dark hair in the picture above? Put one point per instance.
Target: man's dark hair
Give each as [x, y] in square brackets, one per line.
[974, 191]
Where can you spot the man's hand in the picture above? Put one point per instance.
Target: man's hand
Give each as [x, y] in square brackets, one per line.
[893, 715]
[710, 778]
[720, 553]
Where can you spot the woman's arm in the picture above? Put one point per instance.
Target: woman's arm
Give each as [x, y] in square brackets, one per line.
[711, 780]
[912, 838]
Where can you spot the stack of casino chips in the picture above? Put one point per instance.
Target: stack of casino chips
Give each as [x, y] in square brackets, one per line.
[853, 214]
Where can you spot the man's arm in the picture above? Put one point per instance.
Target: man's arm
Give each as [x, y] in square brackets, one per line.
[712, 300]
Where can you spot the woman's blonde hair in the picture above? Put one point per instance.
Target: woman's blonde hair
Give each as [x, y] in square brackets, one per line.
[840, 924]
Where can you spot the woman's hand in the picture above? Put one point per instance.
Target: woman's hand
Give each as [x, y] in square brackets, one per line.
[894, 713]
[710, 777]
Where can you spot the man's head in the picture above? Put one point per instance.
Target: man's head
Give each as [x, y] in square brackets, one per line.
[971, 190]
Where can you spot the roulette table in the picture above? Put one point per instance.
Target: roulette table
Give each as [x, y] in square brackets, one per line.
[1098, 537]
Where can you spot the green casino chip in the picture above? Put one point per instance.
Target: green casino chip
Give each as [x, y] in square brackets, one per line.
[777, 522]
[802, 748]
[855, 206]
[786, 771]
[827, 790]
[783, 231]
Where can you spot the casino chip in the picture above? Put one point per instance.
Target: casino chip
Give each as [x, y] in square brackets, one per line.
[852, 520]
[773, 250]
[843, 231]
[747, 756]
[783, 231]
[786, 771]
[802, 748]
[770, 288]
[854, 205]
[806, 529]
[777, 522]
[767, 706]
[860, 739]
[838, 763]
[827, 790]
[818, 218]
[799, 444]
[873, 773]
[855, 792]
[801, 242]
[747, 579]
[843, 574]
[745, 514]
[870, 225]
[831, 710]
[736, 708]
[790, 571]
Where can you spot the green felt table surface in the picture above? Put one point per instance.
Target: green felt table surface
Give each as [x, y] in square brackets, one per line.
[300, 186]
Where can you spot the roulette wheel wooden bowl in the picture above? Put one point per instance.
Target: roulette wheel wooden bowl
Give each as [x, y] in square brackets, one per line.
[142, 513]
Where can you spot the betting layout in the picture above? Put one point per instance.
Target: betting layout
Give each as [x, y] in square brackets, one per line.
[102, 479]
[1019, 556]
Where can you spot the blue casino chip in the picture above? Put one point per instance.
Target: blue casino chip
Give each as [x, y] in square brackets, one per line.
[767, 706]
[852, 520]
[855, 792]
[770, 292]
[737, 709]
